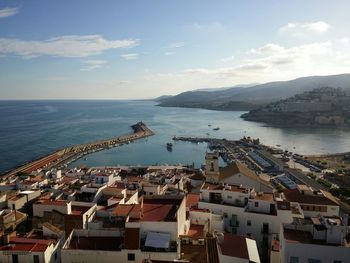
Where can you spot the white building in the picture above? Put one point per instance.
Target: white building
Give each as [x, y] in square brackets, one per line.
[248, 213]
[313, 203]
[151, 231]
[318, 240]
[238, 249]
[29, 250]
[239, 174]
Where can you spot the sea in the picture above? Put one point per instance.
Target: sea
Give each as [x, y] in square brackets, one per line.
[30, 129]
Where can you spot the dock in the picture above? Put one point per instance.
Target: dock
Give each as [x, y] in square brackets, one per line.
[69, 154]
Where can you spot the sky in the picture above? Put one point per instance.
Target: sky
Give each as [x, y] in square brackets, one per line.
[86, 49]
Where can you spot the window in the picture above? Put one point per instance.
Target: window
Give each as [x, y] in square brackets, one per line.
[229, 197]
[14, 258]
[256, 204]
[312, 260]
[337, 261]
[249, 223]
[293, 260]
[36, 259]
[131, 257]
[212, 166]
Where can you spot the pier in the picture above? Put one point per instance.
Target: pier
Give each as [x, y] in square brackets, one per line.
[69, 154]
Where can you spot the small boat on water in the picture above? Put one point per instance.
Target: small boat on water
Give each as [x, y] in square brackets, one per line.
[169, 146]
[209, 125]
[216, 129]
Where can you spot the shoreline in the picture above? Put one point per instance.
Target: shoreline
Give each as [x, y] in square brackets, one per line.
[67, 155]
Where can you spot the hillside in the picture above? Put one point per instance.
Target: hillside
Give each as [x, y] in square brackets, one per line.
[247, 98]
[319, 107]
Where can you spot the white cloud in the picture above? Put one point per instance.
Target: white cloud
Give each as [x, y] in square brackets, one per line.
[176, 45]
[92, 64]
[267, 49]
[63, 46]
[169, 53]
[130, 56]
[299, 29]
[9, 11]
[270, 62]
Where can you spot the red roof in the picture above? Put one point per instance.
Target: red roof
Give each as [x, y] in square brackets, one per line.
[122, 210]
[160, 209]
[234, 246]
[191, 200]
[79, 210]
[53, 202]
[132, 238]
[27, 244]
[196, 231]
[96, 243]
[294, 195]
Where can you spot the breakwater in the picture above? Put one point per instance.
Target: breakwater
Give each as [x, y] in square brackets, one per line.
[69, 154]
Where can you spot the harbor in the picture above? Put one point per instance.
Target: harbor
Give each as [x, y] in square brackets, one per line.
[65, 156]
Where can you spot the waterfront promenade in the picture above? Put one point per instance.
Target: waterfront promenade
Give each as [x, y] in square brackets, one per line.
[66, 155]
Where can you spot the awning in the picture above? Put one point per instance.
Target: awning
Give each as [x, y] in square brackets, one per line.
[157, 240]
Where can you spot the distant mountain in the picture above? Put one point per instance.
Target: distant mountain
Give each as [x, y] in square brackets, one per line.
[319, 107]
[161, 98]
[225, 88]
[246, 98]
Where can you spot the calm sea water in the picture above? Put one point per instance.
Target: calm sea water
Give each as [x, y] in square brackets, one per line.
[30, 129]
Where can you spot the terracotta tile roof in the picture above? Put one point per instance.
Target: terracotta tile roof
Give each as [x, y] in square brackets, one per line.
[238, 167]
[53, 202]
[293, 195]
[79, 210]
[196, 231]
[122, 210]
[160, 209]
[235, 168]
[234, 246]
[132, 238]
[97, 243]
[191, 200]
[27, 244]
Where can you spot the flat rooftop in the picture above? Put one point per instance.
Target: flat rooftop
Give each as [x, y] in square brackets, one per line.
[79, 210]
[232, 188]
[264, 196]
[160, 209]
[194, 253]
[299, 236]
[96, 243]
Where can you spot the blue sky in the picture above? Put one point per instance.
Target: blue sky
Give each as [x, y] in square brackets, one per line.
[143, 49]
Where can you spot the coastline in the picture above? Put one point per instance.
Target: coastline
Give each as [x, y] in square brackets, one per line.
[69, 154]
